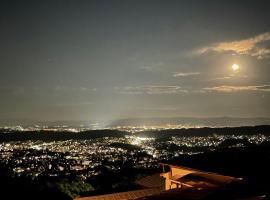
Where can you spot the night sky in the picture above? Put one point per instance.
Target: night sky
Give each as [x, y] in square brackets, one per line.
[83, 60]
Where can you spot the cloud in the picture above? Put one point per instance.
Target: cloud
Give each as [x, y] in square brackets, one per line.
[231, 76]
[249, 46]
[228, 89]
[146, 68]
[150, 67]
[150, 90]
[73, 89]
[223, 78]
[183, 74]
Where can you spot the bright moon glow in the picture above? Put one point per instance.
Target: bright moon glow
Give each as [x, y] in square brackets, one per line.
[235, 67]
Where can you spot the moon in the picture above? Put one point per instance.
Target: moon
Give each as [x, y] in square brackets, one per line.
[235, 67]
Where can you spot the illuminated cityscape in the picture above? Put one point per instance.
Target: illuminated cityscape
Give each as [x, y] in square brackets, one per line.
[84, 157]
[97, 126]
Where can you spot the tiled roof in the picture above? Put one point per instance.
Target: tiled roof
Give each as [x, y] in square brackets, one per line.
[124, 195]
[180, 194]
[152, 181]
